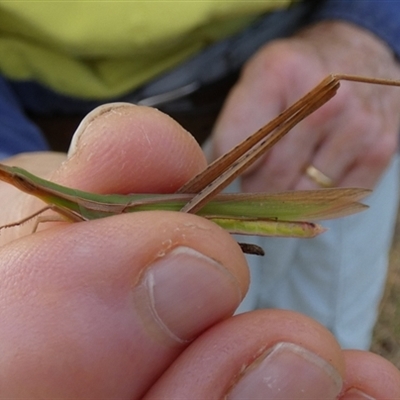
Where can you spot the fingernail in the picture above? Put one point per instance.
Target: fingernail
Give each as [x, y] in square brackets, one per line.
[184, 292]
[89, 118]
[355, 394]
[288, 371]
[79, 131]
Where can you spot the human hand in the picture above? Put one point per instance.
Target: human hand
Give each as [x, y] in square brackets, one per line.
[139, 305]
[351, 139]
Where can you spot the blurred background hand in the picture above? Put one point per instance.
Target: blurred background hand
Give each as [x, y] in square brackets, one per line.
[351, 139]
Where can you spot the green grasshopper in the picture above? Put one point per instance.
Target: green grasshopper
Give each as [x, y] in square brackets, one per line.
[281, 214]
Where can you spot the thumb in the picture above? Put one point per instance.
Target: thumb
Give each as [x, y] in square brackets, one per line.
[118, 148]
[100, 309]
[122, 148]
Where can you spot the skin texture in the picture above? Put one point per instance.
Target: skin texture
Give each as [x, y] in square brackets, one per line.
[139, 305]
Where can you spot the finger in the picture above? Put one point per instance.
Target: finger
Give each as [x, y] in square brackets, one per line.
[14, 204]
[263, 354]
[99, 309]
[369, 376]
[356, 146]
[338, 148]
[119, 148]
[122, 148]
[282, 167]
[370, 164]
[274, 172]
[272, 81]
[344, 164]
[323, 140]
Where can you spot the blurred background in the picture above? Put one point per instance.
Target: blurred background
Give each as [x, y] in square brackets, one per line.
[387, 331]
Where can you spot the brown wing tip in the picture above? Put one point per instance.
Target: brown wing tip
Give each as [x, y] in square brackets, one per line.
[317, 230]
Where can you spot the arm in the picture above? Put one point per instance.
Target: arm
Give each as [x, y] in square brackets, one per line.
[379, 17]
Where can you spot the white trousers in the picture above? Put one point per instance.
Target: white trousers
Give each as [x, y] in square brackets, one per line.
[337, 278]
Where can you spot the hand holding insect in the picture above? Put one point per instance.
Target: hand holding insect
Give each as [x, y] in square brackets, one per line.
[78, 279]
[282, 214]
[69, 275]
[81, 277]
[95, 166]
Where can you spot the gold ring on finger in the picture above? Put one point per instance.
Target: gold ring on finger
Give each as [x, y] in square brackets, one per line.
[318, 177]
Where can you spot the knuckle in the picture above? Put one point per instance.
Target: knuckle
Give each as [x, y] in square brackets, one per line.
[286, 61]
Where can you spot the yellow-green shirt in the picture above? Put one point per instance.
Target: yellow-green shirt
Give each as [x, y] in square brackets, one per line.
[100, 49]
